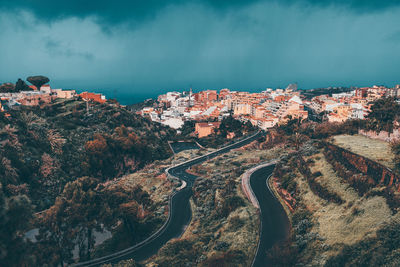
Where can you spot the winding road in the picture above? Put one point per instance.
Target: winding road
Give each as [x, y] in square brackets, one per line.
[274, 222]
[180, 213]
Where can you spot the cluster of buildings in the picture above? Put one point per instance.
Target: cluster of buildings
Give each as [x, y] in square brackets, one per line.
[355, 104]
[44, 95]
[264, 109]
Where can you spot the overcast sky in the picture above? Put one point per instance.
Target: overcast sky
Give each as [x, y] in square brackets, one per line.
[141, 48]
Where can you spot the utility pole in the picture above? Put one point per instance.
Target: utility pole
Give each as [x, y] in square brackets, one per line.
[190, 97]
[87, 105]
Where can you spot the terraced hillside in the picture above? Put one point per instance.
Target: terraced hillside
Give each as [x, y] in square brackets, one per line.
[340, 216]
[374, 149]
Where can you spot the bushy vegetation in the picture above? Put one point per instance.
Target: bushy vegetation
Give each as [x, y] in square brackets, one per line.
[224, 226]
[390, 195]
[177, 252]
[382, 250]
[60, 157]
[315, 186]
[84, 207]
[16, 213]
[57, 159]
[44, 148]
[304, 247]
[360, 182]
[287, 252]
[285, 172]
[19, 86]
[226, 259]
[228, 203]
[395, 148]
[384, 112]
[220, 136]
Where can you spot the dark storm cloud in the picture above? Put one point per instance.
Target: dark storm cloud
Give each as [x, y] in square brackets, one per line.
[116, 11]
[56, 48]
[357, 5]
[153, 46]
[110, 11]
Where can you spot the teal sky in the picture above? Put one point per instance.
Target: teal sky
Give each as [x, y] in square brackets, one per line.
[137, 49]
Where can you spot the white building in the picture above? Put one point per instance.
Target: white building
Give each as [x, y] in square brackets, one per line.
[175, 123]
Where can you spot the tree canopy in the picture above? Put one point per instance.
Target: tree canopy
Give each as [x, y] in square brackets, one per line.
[383, 114]
[38, 81]
[22, 86]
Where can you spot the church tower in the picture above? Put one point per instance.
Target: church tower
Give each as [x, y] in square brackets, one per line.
[190, 97]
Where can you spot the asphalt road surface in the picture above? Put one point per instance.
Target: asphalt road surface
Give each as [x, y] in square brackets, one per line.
[274, 222]
[180, 213]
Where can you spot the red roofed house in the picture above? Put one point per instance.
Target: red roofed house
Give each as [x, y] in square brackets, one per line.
[92, 96]
[203, 129]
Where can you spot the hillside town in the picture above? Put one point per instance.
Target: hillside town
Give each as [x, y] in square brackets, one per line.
[264, 109]
[207, 108]
[34, 96]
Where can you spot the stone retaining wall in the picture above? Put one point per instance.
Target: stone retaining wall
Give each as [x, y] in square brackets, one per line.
[380, 173]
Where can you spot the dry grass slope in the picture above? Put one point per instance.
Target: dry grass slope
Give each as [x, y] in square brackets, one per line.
[370, 148]
[336, 225]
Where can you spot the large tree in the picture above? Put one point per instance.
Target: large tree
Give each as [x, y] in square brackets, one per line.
[38, 81]
[383, 114]
[83, 207]
[15, 214]
[21, 86]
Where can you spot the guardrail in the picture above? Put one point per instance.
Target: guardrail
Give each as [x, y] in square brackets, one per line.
[250, 172]
[248, 191]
